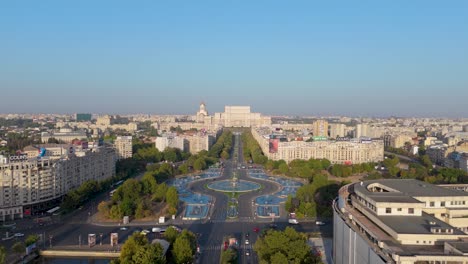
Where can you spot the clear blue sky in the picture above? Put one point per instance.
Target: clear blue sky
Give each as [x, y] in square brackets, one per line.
[360, 58]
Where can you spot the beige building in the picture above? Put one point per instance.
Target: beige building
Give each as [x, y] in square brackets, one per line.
[29, 186]
[338, 152]
[337, 130]
[320, 128]
[123, 146]
[171, 141]
[104, 121]
[400, 221]
[65, 134]
[240, 116]
[199, 142]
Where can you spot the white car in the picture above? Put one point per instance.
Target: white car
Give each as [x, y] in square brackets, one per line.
[19, 235]
[156, 229]
[123, 228]
[247, 242]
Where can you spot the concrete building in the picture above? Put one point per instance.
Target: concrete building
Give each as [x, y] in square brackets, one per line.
[320, 128]
[362, 130]
[65, 134]
[29, 186]
[123, 146]
[337, 130]
[399, 221]
[199, 141]
[104, 121]
[171, 141]
[464, 162]
[338, 152]
[240, 116]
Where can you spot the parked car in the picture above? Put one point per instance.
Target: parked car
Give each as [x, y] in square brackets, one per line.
[293, 221]
[123, 228]
[319, 223]
[19, 235]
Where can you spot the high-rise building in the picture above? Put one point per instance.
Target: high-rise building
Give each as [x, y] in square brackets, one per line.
[320, 128]
[123, 146]
[29, 186]
[337, 130]
[171, 141]
[83, 117]
[362, 130]
[399, 221]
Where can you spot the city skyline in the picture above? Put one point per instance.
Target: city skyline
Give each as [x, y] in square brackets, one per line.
[373, 59]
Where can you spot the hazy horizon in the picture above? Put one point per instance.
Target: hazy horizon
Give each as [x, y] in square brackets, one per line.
[303, 58]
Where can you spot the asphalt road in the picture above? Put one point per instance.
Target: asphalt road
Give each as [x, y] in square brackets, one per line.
[74, 228]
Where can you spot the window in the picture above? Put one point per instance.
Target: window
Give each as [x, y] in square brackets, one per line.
[399, 209]
[388, 210]
[442, 203]
[431, 204]
[410, 210]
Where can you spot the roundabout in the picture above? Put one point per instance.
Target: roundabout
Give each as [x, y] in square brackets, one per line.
[234, 186]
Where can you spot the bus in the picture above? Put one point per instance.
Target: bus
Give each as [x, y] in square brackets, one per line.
[53, 210]
[118, 183]
[112, 192]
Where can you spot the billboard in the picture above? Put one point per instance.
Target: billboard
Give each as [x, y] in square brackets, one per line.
[319, 138]
[273, 145]
[91, 240]
[114, 239]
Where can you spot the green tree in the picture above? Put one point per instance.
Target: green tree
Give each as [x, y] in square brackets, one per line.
[31, 239]
[150, 253]
[172, 198]
[171, 235]
[18, 248]
[284, 168]
[103, 208]
[182, 250]
[229, 256]
[278, 258]
[2, 255]
[199, 164]
[426, 161]
[289, 243]
[131, 246]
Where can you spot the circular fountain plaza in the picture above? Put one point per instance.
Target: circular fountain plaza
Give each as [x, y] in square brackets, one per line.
[234, 186]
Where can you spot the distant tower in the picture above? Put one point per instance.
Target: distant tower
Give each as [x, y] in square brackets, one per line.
[202, 113]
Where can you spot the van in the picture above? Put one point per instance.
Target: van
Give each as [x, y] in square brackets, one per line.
[293, 221]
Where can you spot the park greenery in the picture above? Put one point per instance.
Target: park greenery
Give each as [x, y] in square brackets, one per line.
[314, 199]
[251, 149]
[137, 249]
[288, 246]
[222, 147]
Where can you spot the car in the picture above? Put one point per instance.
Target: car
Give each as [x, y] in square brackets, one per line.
[156, 229]
[247, 242]
[319, 223]
[247, 252]
[293, 221]
[273, 226]
[123, 228]
[19, 235]
[247, 235]
[145, 232]
[256, 229]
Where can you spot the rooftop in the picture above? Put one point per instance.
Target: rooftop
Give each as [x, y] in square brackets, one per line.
[404, 189]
